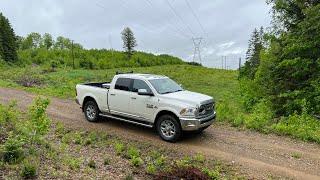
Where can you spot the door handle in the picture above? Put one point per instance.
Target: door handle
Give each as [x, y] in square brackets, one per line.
[112, 94]
[133, 98]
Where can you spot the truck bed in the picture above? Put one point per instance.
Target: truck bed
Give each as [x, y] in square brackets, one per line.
[96, 84]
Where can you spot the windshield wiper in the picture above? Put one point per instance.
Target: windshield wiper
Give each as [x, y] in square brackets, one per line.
[167, 92]
[172, 91]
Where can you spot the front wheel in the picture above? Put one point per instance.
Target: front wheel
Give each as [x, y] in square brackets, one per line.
[91, 111]
[168, 128]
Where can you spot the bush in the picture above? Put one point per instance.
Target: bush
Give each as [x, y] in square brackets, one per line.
[29, 170]
[119, 148]
[13, 151]
[38, 123]
[136, 161]
[304, 127]
[260, 118]
[133, 152]
[151, 169]
[213, 174]
[86, 63]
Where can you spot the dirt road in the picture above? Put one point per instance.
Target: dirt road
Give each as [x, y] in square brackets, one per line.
[258, 155]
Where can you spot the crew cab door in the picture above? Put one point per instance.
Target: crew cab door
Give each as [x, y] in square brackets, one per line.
[140, 105]
[119, 96]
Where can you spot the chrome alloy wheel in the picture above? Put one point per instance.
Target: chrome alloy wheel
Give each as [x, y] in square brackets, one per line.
[167, 128]
[91, 112]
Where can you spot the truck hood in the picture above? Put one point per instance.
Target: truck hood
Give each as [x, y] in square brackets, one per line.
[188, 97]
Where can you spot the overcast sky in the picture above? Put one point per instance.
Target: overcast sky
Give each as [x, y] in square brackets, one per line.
[160, 26]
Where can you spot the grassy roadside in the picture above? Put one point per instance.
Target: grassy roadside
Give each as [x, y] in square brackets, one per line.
[221, 84]
[32, 146]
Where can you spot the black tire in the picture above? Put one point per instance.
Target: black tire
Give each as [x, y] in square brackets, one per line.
[91, 111]
[166, 135]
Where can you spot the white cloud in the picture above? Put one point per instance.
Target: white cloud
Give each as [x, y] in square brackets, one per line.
[226, 45]
[228, 23]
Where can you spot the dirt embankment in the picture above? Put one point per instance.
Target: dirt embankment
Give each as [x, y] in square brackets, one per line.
[258, 155]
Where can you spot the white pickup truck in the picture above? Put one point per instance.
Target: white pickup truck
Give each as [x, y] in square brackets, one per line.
[147, 100]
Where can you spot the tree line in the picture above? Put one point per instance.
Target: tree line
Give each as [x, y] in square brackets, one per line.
[283, 65]
[45, 50]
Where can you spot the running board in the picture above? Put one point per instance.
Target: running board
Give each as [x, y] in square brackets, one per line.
[125, 120]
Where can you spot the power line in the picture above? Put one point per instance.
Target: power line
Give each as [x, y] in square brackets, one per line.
[175, 12]
[196, 17]
[177, 29]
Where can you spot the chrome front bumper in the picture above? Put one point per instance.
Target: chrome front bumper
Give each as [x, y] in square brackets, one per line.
[192, 124]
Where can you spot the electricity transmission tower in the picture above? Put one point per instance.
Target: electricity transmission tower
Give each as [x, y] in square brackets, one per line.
[197, 52]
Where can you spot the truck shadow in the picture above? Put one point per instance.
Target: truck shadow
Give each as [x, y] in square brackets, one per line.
[128, 128]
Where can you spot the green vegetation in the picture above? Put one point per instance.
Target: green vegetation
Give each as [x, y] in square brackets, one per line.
[55, 153]
[230, 95]
[8, 46]
[129, 41]
[296, 155]
[280, 84]
[20, 137]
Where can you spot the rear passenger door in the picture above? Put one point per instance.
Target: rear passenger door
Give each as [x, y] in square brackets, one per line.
[119, 96]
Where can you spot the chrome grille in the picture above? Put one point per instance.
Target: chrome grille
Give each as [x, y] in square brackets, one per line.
[206, 109]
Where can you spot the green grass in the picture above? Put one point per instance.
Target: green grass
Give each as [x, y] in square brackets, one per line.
[220, 84]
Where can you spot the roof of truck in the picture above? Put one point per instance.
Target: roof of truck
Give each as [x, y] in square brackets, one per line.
[146, 76]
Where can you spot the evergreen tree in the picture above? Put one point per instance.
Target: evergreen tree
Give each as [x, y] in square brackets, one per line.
[289, 74]
[8, 44]
[129, 41]
[253, 54]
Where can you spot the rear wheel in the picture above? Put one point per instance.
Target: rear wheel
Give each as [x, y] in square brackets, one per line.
[168, 128]
[91, 111]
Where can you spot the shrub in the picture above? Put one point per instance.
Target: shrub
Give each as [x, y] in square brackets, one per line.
[29, 169]
[213, 174]
[13, 151]
[119, 148]
[38, 117]
[160, 161]
[133, 152]
[74, 163]
[77, 138]
[136, 161]
[304, 127]
[86, 63]
[54, 64]
[260, 117]
[185, 162]
[199, 158]
[151, 169]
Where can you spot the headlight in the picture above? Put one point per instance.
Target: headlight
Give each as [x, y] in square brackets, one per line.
[188, 112]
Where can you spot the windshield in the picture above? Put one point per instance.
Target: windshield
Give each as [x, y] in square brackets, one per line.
[165, 85]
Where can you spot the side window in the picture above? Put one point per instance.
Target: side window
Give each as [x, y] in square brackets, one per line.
[139, 84]
[123, 84]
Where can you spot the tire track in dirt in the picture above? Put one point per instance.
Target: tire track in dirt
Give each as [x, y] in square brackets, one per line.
[257, 155]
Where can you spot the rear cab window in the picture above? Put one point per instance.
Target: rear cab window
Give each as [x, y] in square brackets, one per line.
[123, 84]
